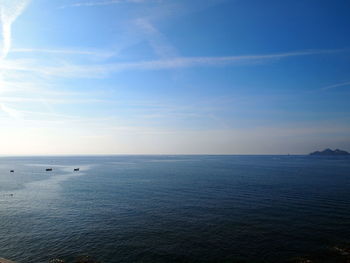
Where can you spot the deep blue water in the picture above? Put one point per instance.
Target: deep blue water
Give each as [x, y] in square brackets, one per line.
[174, 208]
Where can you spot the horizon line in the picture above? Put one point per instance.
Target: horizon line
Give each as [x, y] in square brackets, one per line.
[154, 154]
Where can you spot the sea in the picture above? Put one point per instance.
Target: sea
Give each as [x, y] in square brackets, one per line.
[175, 208]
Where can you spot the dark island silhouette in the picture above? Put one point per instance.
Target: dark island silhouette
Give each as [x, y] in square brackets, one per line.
[329, 152]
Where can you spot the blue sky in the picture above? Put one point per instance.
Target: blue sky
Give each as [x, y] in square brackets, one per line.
[174, 76]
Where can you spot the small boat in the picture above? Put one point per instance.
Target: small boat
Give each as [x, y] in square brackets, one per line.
[12, 171]
[76, 169]
[48, 169]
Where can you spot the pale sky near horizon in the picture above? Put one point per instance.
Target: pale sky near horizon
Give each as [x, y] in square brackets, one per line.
[174, 76]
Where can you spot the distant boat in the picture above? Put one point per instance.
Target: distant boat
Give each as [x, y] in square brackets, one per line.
[12, 171]
[76, 169]
[48, 169]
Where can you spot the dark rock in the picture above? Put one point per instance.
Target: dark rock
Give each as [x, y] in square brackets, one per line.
[329, 152]
[56, 260]
[85, 259]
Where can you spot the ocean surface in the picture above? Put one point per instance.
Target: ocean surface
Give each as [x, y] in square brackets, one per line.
[175, 208]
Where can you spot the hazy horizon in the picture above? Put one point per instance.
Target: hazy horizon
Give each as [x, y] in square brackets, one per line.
[101, 77]
[160, 154]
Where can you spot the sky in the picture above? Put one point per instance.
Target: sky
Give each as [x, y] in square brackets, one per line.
[174, 76]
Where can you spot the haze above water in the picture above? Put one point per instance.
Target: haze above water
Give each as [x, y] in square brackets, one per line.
[175, 208]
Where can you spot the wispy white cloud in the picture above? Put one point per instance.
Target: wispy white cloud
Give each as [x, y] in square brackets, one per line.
[9, 11]
[97, 53]
[63, 100]
[27, 81]
[67, 69]
[156, 39]
[10, 111]
[102, 3]
[338, 85]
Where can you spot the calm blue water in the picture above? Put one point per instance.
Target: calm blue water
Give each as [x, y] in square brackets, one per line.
[174, 208]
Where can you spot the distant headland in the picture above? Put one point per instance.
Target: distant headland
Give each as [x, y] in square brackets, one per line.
[329, 152]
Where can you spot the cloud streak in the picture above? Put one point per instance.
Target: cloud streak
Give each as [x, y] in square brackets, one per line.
[9, 11]
[102, 3]
[101, 70]
[97, 53]
[156, 39]
[13, 113]
[338, 85]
